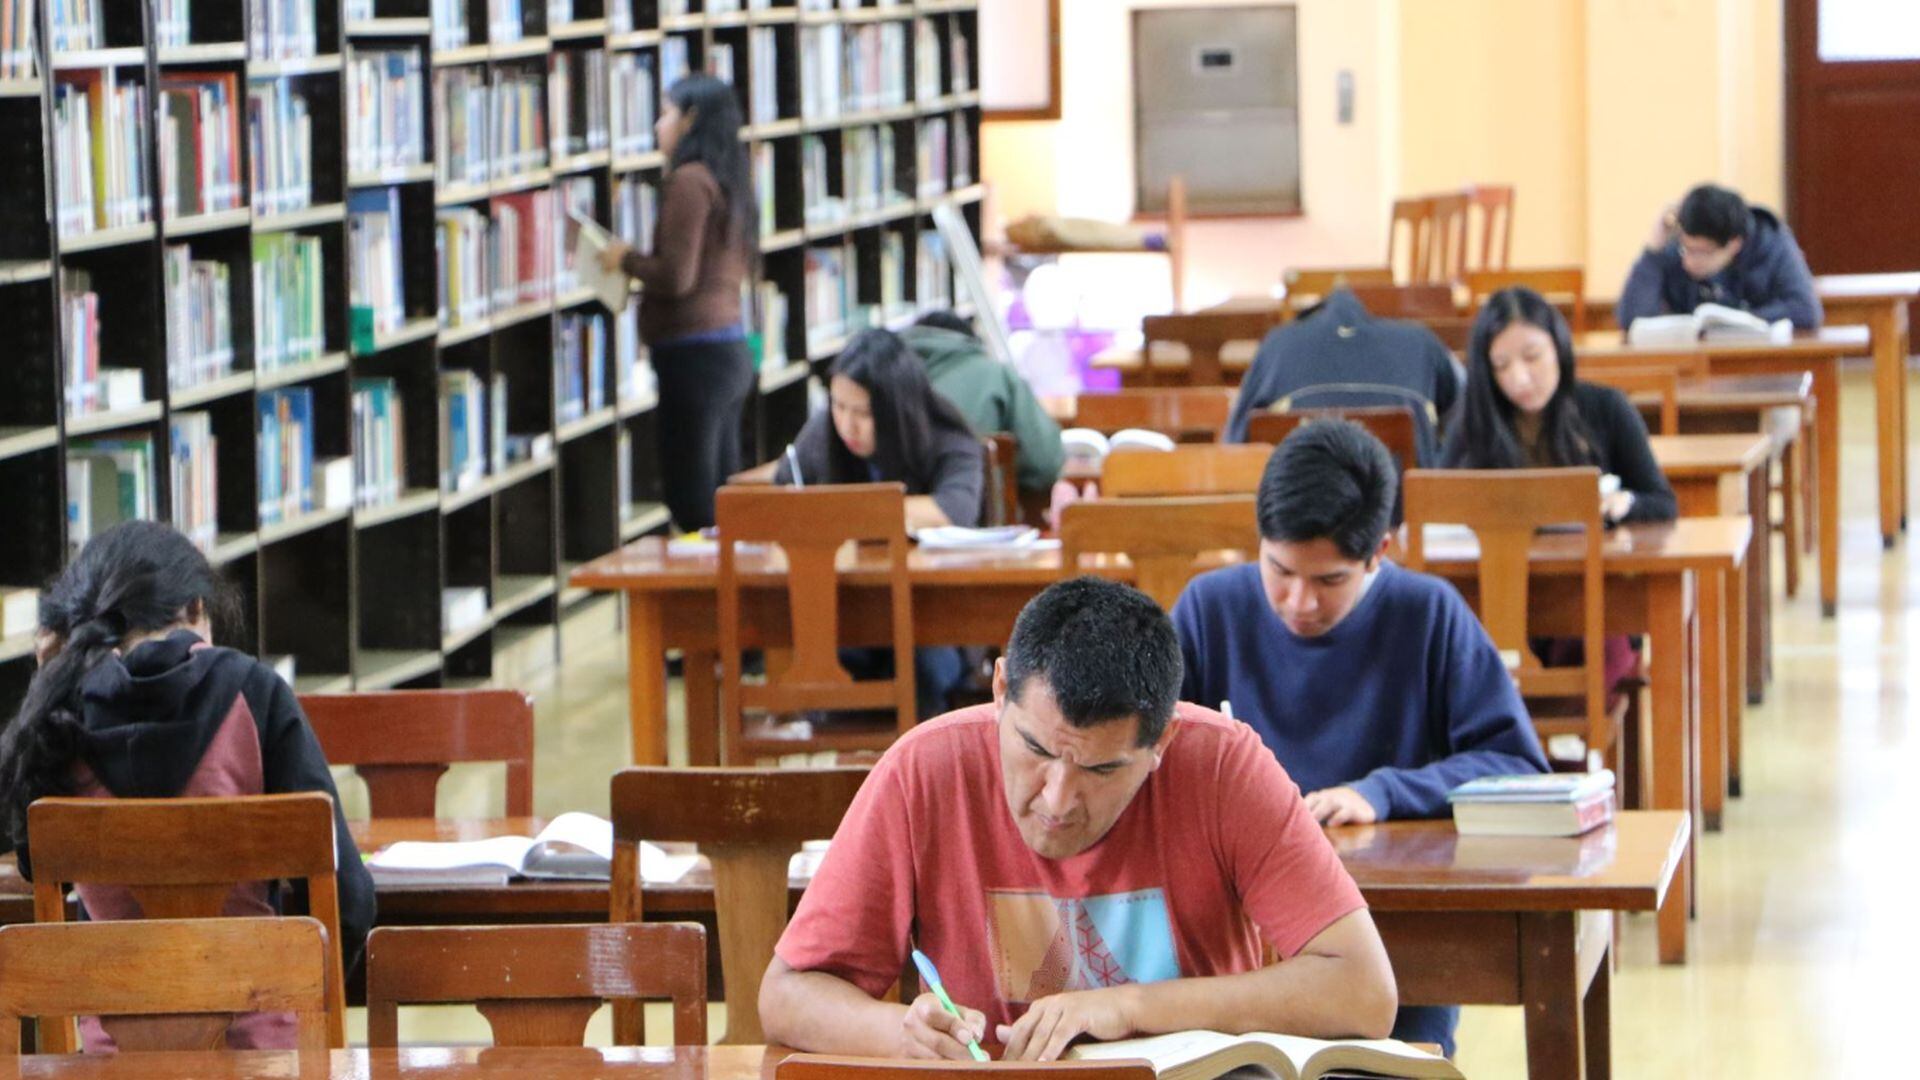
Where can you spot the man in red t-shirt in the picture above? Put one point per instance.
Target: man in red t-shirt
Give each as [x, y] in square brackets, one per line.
[1081, 857]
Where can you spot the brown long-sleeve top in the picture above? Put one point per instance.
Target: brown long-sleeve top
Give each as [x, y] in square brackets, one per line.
[690, 282]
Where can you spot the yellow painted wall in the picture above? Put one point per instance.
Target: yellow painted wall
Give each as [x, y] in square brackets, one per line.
[1599, 111]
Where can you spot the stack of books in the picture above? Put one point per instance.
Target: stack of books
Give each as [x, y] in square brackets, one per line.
[1541, 804]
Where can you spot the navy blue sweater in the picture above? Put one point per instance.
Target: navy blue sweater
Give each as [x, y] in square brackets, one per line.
[1403, 700]
[1769, 278]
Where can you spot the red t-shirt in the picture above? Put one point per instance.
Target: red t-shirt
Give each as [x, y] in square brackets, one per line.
[1215, 853]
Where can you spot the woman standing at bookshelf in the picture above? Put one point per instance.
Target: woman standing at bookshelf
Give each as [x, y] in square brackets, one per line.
[703, 247]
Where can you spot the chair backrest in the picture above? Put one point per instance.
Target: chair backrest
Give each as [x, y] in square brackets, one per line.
[1183, 413]
[1391, 424]
[1505, 508]
[402, 741]
[1495, 205]
[1436, 228]
[1307, 285]
[537, 985]
[1210, 469]
[164, 984]
[1205, 334]
[1420, 302]
[1664, 381]
[181, 858]
[1162, 538]
[810, 525]
[1000, 495]
[828, 1067]
[1565, 287]
[748, 822]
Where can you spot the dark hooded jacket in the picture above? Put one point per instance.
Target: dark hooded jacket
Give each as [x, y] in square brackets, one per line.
[1769, 277]
[178, 717]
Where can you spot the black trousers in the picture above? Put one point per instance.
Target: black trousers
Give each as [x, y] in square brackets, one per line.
[703, 392]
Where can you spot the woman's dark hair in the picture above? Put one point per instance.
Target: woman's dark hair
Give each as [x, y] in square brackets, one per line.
[1330, 479]
[908, 413]
[1105, 650]
[134, 578]
[713, 140]
[1483, 421]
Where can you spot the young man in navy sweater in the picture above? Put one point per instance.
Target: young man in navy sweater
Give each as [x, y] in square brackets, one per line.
[1375, 686]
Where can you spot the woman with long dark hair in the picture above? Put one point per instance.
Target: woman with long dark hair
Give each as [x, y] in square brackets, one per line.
[132, 700]
[885, 421]
[1523, 407]
[704, 246]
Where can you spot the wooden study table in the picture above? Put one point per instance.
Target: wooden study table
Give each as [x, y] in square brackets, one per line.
[414, 1062]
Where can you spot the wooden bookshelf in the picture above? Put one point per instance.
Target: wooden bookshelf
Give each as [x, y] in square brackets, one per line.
[354, 592]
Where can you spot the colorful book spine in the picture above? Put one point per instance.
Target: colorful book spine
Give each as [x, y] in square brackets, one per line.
[375, 285]
[77, 24]
[460, 97]
[933, 278]
[283, 29]
[579, 364]
[170, 22]
[930, 148]
[464, 427]
[289, 324]
[379, 441]
[100, 151]
[108, 481]
[280, 135]
[633, 96]
[465, 273]
[80, 341]
[194, 471]
[505, 21]
[523, 248]
[636, 210]
[19, 36]
[286, 453]
[519, 130]
[764, 64]
[577, 88]
[200, 143]
[386, 121]
[926, 60]
[199, 295]
[449, 24]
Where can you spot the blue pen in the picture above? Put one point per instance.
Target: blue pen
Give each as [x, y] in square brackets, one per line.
[932, 976]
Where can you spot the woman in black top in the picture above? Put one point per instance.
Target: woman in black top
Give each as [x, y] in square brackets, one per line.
[885, 421]
[1523, 407]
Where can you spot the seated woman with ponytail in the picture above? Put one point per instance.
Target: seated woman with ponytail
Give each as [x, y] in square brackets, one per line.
[132, 700]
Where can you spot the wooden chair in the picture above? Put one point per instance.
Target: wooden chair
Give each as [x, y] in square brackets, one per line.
[1204, 335]
[1494, 202]
[1162, 538]
[1214, 469]
[537, 985]
[1663, 381]
[1505, 508]
[1419, 302]
[1436, 227]
[163, 984]
[827, 1067]
[1182, 413]
[748, 822]
[1391, 424]
[180, 858]
[810, 525]
[1000, 493]
[1309, 285]
[402, 741]
[1565, 287]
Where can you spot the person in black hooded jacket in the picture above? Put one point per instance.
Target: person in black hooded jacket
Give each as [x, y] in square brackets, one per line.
[131, 700]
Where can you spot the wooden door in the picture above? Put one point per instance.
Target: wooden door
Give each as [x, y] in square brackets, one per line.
[1853, 141]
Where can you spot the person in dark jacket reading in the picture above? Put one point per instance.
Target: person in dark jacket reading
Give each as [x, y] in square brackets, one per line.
[132, 700]
[1714, 248]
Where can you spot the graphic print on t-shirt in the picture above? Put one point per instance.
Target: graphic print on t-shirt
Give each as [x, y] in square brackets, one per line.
[1042, 945]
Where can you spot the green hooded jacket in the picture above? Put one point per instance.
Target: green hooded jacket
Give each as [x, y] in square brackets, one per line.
[993, 397]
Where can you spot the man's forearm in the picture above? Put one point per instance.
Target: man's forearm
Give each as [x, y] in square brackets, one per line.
[811, 1010]
[1318, 996]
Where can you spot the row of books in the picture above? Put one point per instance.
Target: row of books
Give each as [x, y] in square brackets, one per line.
[91, 386]
[108, 481]
[466, 294]
[286, 454]
[450, 24]
[379, 441]
[280, 136]
[200, 143]
[460, 125]
[578, 85]
[930, 156]
[867, 173]
[376, 288]
[676, 60]
[473, 428]
[633, 95]
[281, 29]
[386, 109]
[77, 24]
[636, 210]
[831, 292]
[852, 68]
[763, 106]
[518, 143]
[720, 62]
[193, 468]
[933, 275]
[100, 154]
[199, 308]
[926, 60]
[19, 38]
[579, 364]
[171, 19]
[289, 292]
[521, 258]
[765, 306]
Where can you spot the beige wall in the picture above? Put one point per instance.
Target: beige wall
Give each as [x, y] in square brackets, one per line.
[1599, 111]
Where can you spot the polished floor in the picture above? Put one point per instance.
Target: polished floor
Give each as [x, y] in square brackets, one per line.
[1805, 935]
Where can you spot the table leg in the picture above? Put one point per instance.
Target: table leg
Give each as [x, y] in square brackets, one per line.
[1759, 580]
[1903, 348]
[1597, 1013]
[1714, 707]
[703, 708]
[1889, 385]
[1550, 994]
[1665, 752]
[646, 679]
[1738, 594]
[1826, 436]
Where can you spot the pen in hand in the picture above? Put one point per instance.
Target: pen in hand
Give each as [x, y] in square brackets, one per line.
[932, 976]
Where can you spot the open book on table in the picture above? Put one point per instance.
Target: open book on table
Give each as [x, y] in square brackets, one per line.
[1713, 322]
[1204, 1055]
[574, 846]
